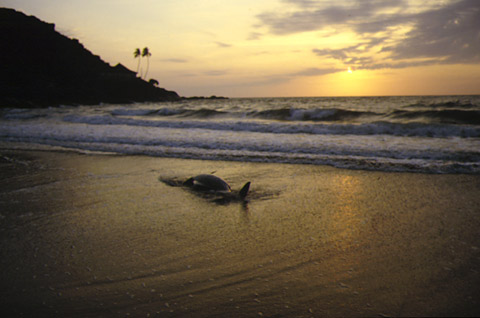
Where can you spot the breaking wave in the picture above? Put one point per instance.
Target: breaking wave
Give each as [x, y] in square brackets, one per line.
[375, 128]
[417, 134]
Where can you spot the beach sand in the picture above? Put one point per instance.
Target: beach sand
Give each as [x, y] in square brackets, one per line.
[90, 235]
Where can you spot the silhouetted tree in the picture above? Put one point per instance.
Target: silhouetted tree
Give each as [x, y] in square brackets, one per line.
[153, 81]
[137, 54]
[146, 53]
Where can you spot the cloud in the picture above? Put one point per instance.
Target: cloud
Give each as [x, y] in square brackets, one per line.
[445, 32]
[357, 56]
[301, 3]
[215, 73]
[317, 71]
[312, 16]
[450, 34]
[222, 44]
[175, 60]
[255, 36]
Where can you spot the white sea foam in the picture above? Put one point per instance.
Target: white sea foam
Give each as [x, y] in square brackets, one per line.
[377, 128]
[253, 146]
[145, 112]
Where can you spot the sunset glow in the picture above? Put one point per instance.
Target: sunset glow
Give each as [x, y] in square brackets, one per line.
[282, 47]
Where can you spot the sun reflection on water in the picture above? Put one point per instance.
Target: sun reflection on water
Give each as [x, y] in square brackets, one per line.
[346, 217]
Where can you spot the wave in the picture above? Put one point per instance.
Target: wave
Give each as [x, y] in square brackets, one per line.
[195, 113]
[146, 112]
[318, 115]
[363, 158]
[20, 114]
[282, 114]
[203, 113]
[445, 105]
[376, 128]
[295, 114]
[428, 135]
[448, 116]
[352, 145]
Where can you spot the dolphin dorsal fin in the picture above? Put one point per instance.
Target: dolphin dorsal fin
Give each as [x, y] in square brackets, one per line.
[244, 191]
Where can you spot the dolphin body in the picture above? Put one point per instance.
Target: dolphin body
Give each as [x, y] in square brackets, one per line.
[213, 184]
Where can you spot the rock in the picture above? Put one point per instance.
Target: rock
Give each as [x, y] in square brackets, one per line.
[41, 67]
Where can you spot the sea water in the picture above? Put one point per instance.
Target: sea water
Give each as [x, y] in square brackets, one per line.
[427, 134]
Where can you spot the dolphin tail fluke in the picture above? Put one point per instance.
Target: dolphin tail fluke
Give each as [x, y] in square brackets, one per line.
[244, 191]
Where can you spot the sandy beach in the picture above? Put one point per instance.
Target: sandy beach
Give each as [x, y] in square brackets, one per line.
[100, 236]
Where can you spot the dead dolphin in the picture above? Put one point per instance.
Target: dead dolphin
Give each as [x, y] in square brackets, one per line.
[213, 184]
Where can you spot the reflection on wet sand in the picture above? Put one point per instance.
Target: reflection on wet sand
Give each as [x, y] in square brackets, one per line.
[89, 236]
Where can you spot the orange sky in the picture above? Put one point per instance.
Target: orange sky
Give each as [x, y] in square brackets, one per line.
[251, 48]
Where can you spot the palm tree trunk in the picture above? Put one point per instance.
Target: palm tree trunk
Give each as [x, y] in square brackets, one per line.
[137, 54]
[138, 64]
[148, 65]
[146, 53]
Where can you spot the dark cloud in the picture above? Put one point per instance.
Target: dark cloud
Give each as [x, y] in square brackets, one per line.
[446, 33]
[353, 55]
[312, 15]
[450, 34]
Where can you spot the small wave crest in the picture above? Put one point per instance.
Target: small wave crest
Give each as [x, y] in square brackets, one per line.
[298, 114]
[445, 116]
[203, 113]
[146, 112]
[282, 114]
[328, 115]
[445, 105]
[376, 128]
[332, 114]
[166, 111]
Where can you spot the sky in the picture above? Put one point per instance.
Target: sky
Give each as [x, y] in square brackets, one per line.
[276, 48]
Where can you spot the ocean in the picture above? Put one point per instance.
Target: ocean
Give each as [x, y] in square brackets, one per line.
[424, 134]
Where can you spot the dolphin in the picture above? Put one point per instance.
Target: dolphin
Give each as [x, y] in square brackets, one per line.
[213, 184]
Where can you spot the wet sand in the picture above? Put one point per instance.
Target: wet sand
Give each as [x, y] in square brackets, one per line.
[101, 236]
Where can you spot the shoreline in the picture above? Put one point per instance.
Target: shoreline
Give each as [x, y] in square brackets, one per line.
[90, 235]
[37, 147]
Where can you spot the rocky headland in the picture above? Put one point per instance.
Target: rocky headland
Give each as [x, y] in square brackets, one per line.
[40, 67]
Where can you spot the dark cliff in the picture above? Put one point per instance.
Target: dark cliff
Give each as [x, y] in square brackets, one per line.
[41, 67]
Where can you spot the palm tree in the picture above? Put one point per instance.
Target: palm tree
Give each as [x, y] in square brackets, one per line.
[137, 54]
[153, 82]
[146, 53]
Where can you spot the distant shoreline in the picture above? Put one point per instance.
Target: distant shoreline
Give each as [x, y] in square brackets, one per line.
[204, 97]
